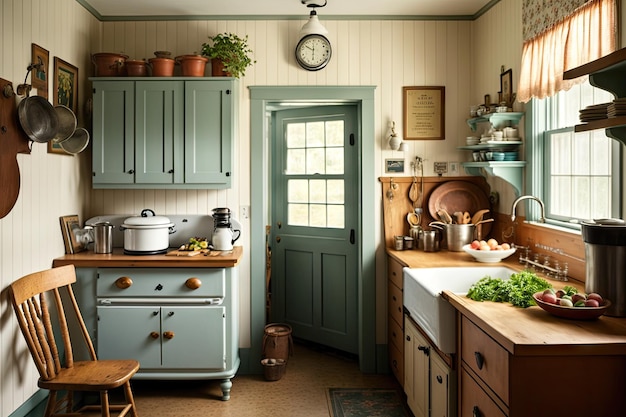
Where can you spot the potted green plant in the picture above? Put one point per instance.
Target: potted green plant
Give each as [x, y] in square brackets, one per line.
[231, 51]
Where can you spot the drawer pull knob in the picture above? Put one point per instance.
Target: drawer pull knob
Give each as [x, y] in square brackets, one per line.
[476, 412]
[154, 335]
[193, 283]
[155, 313]
[424, 349]
[170, 314]
[439, 379]
[408, 338]
[123, 282]
[168, 335]
[480, 361]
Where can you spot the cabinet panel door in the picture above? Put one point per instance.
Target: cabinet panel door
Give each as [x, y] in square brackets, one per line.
[199, 339]
[416, 368]
[208, 132]
[440, 386]
[159, 131]
[113, 132]
[127, 333]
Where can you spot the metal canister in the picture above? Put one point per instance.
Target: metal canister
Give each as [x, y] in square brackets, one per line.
[103, 237]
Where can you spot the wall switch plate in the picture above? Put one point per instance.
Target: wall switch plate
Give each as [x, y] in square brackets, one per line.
[440, 168]
[245, 212]
[454, 168]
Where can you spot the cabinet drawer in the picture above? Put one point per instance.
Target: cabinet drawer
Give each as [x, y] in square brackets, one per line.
[486, 357]
[396, 362]
[475, 401]
[394, 271]
[161, 282]
[394, 303]
[396, 335]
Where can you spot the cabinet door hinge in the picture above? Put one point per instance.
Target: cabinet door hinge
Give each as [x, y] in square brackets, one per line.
[227, 91]
[352, 139]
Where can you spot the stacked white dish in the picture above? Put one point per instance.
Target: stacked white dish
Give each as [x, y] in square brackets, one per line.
[472, 140]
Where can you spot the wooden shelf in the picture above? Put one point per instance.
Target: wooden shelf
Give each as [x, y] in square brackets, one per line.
[615, 61]
[607, 73]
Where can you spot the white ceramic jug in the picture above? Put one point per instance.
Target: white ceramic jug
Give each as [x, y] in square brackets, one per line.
[224, 237]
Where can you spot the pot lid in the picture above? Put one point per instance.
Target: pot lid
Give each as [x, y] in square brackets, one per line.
[148, 218]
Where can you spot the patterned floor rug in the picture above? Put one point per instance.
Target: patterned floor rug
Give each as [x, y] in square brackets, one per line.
[366, 402]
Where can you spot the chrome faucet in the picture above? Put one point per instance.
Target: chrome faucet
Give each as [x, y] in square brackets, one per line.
[542, 219]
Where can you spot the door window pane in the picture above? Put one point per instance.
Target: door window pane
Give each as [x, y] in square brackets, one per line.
[315, 154]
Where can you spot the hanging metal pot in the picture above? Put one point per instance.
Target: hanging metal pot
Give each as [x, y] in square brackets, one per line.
[38, 119]
[67, 123]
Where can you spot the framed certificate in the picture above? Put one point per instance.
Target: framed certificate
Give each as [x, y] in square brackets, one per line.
[424, 112]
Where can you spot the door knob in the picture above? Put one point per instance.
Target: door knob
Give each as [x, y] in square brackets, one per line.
[154, 335]
[168, 334]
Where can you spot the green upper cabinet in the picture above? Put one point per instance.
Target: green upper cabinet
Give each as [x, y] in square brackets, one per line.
[169, 132]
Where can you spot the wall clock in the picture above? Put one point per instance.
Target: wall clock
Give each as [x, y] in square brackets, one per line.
[313, 52]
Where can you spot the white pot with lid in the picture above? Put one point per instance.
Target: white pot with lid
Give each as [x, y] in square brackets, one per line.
[147, 234]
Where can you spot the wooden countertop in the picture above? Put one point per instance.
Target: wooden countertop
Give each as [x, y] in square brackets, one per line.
[90, 259]
[529, 331]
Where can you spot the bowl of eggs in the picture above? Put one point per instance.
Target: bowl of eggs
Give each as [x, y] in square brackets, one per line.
[489, 251]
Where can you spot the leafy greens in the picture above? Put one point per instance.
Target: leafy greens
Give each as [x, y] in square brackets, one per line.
[517, 290]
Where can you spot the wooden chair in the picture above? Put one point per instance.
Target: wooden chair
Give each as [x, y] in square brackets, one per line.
[30, 297]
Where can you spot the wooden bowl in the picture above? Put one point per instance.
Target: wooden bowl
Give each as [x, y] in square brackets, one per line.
[574, 313]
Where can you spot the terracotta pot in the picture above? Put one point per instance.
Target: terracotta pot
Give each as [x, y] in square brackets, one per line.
[192, 65]
[162, 67]
[217, 68]
[135, 68]
[109, 64]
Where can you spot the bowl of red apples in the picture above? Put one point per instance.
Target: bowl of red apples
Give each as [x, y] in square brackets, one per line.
[489, 251]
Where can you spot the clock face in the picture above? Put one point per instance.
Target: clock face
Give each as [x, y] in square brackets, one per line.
[313, 52]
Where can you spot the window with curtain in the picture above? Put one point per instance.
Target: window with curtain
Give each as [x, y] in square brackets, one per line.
[576, 174]
[562, 36]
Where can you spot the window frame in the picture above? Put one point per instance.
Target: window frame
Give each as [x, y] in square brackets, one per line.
[539, 114]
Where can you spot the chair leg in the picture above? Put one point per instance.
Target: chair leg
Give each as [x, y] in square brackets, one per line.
[51, 404]
[128, 393]
[104, 403]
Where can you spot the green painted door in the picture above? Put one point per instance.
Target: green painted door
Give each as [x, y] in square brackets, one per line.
[208, 132]
[114, 132]
[314, 224]
[159, 130]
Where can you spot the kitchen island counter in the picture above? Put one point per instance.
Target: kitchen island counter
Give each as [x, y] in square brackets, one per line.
[90, 259]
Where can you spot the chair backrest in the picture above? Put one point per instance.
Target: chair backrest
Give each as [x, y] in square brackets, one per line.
[32, 296]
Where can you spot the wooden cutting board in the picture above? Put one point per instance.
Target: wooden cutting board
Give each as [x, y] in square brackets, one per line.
[177, 252]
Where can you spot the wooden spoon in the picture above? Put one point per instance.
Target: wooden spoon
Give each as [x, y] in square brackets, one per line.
[444, 216]
[478, 216]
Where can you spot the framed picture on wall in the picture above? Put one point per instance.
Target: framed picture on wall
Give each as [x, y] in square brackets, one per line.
[394, 166]
[65, 84]
[506, 86]
[424, 112]
[68, 225]
[40, 59]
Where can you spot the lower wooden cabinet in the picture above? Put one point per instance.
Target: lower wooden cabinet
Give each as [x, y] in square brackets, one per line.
[395, 324]
[429, 383]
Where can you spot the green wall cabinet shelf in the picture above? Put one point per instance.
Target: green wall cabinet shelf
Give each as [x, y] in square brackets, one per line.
[163, 132]
[510, 171]
[498, 120]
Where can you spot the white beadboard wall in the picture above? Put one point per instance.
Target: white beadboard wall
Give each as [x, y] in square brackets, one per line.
[51, 185]
[463, 56]
[386, 54]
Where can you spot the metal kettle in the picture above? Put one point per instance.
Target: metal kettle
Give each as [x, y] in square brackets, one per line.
[224, 236]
